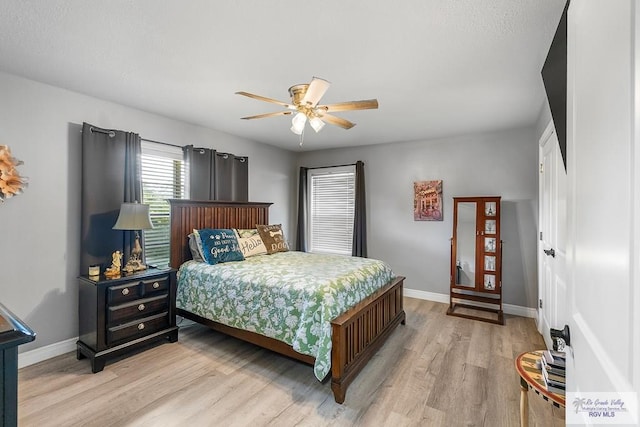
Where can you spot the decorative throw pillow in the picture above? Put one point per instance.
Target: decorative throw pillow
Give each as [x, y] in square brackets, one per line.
[219, 245]
[195, 247]
[273, 238]
[250, 242]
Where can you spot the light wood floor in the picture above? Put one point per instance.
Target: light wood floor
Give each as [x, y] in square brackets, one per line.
[436, 370]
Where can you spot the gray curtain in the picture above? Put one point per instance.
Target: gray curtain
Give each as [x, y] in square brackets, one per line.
[201, 172]
[216, 176]
[132, 183]
[240, 181]
[110, 176]
[231, 180]
[359, 247]
[301, 242]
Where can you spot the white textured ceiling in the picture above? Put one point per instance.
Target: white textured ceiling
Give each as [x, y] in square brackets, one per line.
[437, 67]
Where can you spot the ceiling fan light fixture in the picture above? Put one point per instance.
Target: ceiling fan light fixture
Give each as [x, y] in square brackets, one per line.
[304, 106]
[317, 124]
[297, 123]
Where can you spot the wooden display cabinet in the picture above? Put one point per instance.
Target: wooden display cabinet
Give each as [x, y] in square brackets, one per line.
[476, 258]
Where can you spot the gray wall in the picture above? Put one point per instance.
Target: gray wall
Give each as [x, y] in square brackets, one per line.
[39, 245]
[40, 229]
[502, 164]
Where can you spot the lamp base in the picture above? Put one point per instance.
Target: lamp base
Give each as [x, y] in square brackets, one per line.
[134, 265]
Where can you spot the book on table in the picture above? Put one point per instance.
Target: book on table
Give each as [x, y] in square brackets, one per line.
[553, 369]
[555, 359]
[553, 386]
[557, 390]
[553, 379]
[554, 372]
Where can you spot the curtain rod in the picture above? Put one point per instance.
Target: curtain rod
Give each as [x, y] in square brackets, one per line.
[112, 133]
[336, 166]
[159, 142]
[109, 132]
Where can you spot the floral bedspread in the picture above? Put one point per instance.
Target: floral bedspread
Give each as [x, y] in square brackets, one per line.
[289, 296]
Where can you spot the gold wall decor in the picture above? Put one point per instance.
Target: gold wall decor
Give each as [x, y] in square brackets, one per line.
[11, 183]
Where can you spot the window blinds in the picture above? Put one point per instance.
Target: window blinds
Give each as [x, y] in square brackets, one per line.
[331, 209]
[163, 177]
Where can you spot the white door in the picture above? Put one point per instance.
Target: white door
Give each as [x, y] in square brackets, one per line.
[552, 287]
[603, 207]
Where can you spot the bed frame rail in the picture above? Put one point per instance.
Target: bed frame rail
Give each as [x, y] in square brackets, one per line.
[359, 332]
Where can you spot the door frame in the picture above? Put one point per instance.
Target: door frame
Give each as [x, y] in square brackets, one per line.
[546, 291]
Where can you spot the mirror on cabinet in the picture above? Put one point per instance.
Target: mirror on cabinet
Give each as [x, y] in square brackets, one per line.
[466, 244]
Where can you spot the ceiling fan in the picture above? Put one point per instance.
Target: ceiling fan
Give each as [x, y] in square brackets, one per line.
[304, 103]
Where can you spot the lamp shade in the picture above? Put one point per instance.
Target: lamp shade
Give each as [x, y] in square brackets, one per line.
[317, 124]
[297, 123]
[133, 216]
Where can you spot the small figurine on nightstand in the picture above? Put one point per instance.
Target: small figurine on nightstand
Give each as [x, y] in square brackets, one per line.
[116, 262]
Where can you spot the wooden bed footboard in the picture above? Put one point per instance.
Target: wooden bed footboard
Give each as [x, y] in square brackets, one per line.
[356, 334]
[359, 332]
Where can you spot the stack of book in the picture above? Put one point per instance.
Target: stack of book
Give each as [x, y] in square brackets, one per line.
[554, 371]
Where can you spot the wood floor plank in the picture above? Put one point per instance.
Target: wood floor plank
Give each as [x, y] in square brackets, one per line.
[436, 370]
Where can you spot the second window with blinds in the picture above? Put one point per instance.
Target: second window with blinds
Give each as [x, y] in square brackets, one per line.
[331, 195]
[163, 177]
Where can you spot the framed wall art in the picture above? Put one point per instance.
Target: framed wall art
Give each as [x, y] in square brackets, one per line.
[427, 200]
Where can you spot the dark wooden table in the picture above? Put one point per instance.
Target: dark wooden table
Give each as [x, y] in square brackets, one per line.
[13, 332]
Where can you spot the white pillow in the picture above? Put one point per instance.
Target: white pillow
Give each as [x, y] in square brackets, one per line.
[250, 242]
[194, 239]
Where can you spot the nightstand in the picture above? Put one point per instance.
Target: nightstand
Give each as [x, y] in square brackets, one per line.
[120, 315]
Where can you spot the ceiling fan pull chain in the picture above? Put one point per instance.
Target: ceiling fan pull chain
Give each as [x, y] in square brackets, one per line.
[301, 137]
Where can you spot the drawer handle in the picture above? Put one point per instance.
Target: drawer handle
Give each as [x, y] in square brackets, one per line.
[141, 307]
[156, 285]
[141, 326]
[125, 291]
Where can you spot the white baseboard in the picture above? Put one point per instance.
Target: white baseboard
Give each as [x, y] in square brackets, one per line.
[518, 310]
[34, 356]
[429, 296]
[515, 310]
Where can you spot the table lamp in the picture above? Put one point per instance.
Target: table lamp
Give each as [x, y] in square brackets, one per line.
[134, 217]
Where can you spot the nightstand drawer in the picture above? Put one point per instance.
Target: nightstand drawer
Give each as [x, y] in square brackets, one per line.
[145, 307]
[125, 292]
[138, 328]
[153, 286]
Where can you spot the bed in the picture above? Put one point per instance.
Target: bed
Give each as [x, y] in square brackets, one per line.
[355, 334]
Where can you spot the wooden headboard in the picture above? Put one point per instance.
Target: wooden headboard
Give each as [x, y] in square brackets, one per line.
[189, 214]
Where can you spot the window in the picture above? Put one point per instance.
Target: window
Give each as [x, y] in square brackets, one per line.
[163, 177]
[331, 209]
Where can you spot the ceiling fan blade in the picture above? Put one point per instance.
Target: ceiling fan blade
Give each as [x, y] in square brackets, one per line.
[317, 88]
[264, 98]
[367, 104]
[262, 116]
[337, 121]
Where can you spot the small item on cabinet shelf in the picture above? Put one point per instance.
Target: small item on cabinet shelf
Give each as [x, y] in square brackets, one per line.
[116, 263]
[94, 270]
